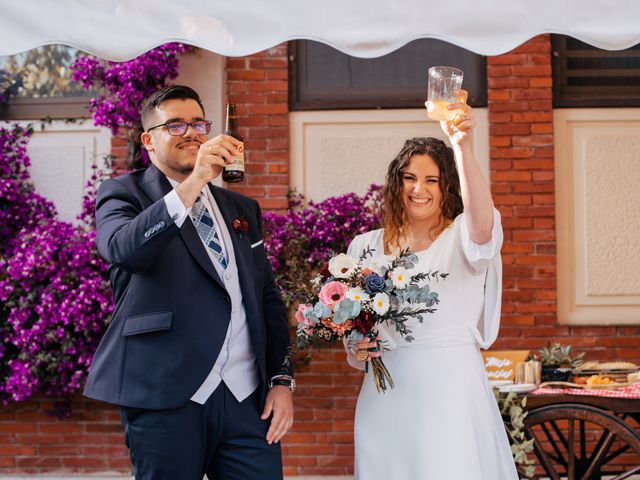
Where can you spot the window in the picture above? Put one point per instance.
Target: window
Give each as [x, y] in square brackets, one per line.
[586, 76]
[42, 80]
[321, 77]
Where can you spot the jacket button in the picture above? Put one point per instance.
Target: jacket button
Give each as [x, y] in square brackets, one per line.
[161, 224]
[147, 233]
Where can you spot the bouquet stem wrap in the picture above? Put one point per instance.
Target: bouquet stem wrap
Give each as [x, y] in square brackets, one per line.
[381, 375]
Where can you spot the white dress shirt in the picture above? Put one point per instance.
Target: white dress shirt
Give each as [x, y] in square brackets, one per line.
[236, 363]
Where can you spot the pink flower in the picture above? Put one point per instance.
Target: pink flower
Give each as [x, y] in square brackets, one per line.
[332, 293]
[301, 308]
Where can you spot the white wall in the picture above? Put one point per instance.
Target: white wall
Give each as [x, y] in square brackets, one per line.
[204, 71]
[597, 157]
[61, 157]
[334, 152]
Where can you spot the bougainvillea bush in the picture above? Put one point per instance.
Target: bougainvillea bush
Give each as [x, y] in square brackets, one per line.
[55, 300]
[20, 206]
[54, 294]
[126, 84]
[310, 233]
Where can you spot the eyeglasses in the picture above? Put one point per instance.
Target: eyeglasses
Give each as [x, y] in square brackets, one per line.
[201, 127]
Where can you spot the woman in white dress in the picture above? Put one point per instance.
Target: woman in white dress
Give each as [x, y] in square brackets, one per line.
[440, 421]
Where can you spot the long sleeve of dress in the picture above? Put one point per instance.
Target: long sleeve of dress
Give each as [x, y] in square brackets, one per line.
[486, 257]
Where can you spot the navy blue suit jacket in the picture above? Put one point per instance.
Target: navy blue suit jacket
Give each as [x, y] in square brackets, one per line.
[171, 308]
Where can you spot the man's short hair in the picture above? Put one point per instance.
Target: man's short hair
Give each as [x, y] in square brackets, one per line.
[170, 92]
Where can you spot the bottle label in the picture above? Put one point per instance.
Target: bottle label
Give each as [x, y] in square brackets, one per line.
[238, 161]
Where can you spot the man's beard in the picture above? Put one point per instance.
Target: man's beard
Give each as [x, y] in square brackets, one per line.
[183, 169]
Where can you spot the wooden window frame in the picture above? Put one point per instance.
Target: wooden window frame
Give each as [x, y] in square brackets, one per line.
[41, 108]
[589, 96]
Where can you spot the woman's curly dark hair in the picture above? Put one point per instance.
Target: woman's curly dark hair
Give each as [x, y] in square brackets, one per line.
[393, 211]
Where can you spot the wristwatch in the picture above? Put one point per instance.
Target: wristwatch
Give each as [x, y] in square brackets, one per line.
[285, 382]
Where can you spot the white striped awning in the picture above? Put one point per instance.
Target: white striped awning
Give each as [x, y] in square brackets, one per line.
[122, 29]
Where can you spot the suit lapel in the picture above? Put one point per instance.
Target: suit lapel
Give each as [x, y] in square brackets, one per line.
[156, 186]
[241, 249]
[229, 211]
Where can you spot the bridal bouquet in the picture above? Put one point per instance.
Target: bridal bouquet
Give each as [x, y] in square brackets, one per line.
[350, 300]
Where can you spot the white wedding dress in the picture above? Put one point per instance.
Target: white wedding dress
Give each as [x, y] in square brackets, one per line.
[441, 421]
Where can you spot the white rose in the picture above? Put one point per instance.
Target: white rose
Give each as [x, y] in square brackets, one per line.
[342, 266]
[381, 303]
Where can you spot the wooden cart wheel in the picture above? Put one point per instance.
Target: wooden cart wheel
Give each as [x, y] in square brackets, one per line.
[581, 442]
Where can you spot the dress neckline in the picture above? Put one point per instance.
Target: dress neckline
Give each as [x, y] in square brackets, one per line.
[420, 252]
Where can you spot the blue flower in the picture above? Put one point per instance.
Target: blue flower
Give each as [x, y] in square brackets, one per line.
[374, 283]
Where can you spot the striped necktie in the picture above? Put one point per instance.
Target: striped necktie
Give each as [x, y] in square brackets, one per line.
[207, 231]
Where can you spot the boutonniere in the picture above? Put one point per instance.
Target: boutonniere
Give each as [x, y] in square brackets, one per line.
[240, 225]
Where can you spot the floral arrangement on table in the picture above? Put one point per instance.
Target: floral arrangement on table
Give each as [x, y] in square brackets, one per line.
[350, 300]
[560, 356]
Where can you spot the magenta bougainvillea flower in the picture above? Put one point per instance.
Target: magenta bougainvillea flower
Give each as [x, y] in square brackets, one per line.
[126, 84]
[303, 238]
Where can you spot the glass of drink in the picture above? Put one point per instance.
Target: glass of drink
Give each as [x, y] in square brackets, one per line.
[443, 84]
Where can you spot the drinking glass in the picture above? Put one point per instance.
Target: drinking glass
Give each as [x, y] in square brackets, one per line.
[528, 372]
[443, 83]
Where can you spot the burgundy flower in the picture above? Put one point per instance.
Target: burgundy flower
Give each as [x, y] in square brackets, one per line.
[364, 322]
[240, 225]
[325, 273]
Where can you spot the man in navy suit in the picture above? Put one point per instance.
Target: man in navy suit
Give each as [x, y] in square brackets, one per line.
[197, 354]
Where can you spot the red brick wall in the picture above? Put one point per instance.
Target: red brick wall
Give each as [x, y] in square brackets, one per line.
[321, 441]
[522, 175]
[259, 85]
[119, 153]
[33, 441]
[522, 181]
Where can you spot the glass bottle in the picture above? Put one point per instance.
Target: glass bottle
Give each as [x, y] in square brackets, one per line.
[234, 172]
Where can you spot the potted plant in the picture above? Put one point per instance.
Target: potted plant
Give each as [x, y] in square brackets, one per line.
[557, 362]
